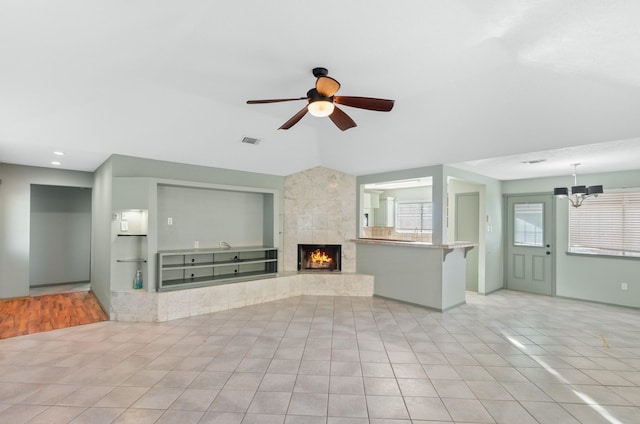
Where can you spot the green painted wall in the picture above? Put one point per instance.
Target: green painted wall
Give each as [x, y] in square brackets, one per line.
[490, 251]
[15, 212]
[138, 182]
[410, 274]
[128, 166]
[587, 277]
[447, 181]
[208, 216]
[101, 234]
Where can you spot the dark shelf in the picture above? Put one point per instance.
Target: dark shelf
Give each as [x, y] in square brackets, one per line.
[208, 280]
[218, 266]
[195, 265]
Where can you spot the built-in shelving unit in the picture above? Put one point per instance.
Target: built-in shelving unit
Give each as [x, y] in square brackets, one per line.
[130, 245]
[139, 259]
[179, 269]
[136, 259]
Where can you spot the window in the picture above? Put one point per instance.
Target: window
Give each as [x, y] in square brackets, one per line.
[528, 229]
[606, 225]
[414, 216]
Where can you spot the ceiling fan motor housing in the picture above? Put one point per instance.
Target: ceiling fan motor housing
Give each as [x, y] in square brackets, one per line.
[314, 96]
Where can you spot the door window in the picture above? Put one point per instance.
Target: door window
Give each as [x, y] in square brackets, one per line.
[528, 228]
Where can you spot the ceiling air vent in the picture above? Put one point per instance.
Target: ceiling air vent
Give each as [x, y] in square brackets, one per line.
[250, 140]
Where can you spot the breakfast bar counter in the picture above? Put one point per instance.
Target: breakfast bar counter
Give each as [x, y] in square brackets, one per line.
[425, 274]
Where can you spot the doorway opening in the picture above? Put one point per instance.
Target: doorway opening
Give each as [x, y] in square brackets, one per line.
[468, 229]
[59, 239]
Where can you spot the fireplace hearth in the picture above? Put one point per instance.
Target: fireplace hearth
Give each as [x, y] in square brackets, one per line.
[319, 257]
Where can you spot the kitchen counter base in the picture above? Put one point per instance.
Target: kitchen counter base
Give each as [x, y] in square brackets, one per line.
[432, 276]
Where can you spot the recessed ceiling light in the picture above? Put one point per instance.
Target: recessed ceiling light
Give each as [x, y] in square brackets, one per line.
[58, 153]
[55, 162]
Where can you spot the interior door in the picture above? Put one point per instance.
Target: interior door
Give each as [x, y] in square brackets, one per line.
[528, 248]
[468, 229]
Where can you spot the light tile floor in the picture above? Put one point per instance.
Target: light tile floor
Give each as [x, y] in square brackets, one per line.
[505, 358]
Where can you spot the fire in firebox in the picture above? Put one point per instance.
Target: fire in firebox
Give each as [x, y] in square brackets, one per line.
[319, 257]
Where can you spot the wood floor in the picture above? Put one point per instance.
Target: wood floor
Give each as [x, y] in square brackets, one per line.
[35, 314]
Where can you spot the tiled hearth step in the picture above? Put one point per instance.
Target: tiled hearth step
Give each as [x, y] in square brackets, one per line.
[142, 306]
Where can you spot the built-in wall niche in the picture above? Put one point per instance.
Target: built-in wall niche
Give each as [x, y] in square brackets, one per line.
[132, 222]
[205, 218]
[130, 246]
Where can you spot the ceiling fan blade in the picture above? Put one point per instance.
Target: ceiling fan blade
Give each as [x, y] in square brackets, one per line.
[369, 103]
[341, 119]
[294, 119]
[327, 86]
[256, 102]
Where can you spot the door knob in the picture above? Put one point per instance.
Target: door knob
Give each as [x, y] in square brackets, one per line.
[548, 253]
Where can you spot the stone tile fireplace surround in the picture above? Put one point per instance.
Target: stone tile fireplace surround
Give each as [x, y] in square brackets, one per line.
[319, 208]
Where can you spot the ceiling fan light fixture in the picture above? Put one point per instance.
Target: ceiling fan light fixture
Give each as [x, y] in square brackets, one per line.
[321, 108]
[322, 101]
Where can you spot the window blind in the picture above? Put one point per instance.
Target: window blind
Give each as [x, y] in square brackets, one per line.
[412, 216]
[608, 224]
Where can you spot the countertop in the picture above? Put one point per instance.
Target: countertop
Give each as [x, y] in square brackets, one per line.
[417, 244]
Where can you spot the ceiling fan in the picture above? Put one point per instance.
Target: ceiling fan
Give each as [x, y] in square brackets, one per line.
[322, 102]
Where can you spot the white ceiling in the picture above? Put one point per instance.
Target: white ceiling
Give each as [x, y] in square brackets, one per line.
[472, 80]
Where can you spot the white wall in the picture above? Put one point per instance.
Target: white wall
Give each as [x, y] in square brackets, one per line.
[15, 205]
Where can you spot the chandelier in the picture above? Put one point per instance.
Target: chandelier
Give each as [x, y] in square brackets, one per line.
[578, 192]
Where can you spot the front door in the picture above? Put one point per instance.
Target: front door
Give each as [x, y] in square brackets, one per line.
[529, 244]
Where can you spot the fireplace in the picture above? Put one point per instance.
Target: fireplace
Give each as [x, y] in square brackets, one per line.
[319, 257]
